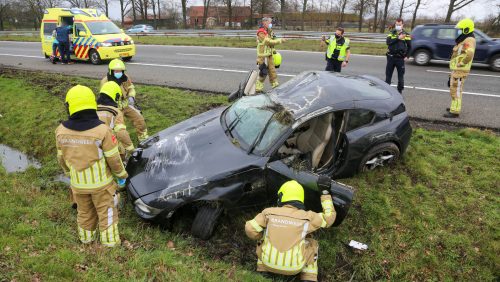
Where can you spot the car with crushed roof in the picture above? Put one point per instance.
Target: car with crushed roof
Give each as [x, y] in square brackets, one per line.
[237, 156]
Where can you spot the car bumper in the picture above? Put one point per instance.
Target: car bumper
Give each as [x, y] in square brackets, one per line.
[114, 52]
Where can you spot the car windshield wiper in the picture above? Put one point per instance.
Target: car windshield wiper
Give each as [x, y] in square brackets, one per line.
[233, 123]
[261, 135]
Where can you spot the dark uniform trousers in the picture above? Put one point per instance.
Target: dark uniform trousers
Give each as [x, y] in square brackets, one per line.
[333, 65]
[399, 64]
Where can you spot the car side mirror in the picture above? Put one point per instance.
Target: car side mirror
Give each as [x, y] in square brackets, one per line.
[82, 33]
[342, 194]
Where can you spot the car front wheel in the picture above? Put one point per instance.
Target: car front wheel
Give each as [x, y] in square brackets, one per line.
[495, 63]
[206, 219]
[380, 155]
[422, 57]
[94, 57]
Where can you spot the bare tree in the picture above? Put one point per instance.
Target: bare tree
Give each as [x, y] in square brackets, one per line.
[283, 10]
[418, 4]
[229, 5]
[360, 6]
[206, 5]
[304, 8]
[4, 11]
[342, 5]
[184, 13]
[159, 11]
[454, 6]
[124, 4]
[134, 13]
[375, 17]
[153, 5]
[384, 17]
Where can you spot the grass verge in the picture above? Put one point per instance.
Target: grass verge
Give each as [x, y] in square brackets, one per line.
[433, 216]
[292, 44]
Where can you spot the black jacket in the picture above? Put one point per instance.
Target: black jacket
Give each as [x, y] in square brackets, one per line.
[397, 47]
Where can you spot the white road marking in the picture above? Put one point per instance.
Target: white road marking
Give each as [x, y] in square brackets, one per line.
[246, 71]
[475, 74]
[201, 55]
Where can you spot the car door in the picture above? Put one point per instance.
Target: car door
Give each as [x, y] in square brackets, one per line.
[278, 173]
[482, 45]
[80, 37]
[47, 40]
[445, 40]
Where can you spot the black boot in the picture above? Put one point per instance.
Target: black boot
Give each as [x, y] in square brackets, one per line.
[450, 115]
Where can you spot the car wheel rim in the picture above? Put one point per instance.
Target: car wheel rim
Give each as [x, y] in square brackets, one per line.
[381, 159]
[496, 63]
[422, 58]
[94, 57]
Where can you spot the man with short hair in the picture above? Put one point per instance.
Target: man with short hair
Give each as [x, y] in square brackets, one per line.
[398, 48]
[338, 52]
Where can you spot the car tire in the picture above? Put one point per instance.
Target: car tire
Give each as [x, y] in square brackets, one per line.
[495, 63]
[206, 220]
[380, 155]
[127, 59]
[94, 57]
[422, 57]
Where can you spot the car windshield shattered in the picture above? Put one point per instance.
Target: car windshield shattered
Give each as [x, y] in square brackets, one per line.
[256, 122]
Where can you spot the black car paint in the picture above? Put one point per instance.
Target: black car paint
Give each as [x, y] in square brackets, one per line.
[225, 173]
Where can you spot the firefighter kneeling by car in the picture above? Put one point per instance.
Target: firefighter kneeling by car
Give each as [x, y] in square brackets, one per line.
[87, 151]
[283, 247]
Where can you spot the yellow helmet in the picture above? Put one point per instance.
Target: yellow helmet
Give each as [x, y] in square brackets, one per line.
[80, 98]
[116, 64]
[277, 59]
[112, 89]
[291, 191]
[466, 25]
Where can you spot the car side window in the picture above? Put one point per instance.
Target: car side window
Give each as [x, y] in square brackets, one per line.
[479, 37]
[79, 27]
[447, 33]
[359, 118]
[426, 32]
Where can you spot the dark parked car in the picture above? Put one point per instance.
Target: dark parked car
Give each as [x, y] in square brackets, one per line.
[318, 123]
[436, 41]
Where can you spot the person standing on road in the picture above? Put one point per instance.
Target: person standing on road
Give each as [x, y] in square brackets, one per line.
[266, 55]
[460, 64]
[283, 247]
[87, 151]
[127, 103]
[398, 48]
[63, 37]
[338, 52]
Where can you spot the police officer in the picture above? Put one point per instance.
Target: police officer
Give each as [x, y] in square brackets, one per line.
[87, 151]
[283, 247]
[338, 52]
[127, 103]
[398, 48]
[267, 55]
[460, 64]
[112, 116]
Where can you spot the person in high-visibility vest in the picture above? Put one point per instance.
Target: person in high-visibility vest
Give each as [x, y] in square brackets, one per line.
[283, 247]
[87, 151]
[338, 52]
[460, 64]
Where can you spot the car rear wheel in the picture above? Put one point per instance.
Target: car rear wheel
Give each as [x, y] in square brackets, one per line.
[380, 155]
[206, 220]
[495, 63]
[94, 57]
[422, 57]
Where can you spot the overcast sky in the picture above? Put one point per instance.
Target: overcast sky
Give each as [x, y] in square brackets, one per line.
[478, 10]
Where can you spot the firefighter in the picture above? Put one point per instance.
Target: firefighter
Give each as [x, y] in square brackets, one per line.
[267, 55]
[128, 104]
[398, 48]
[112, 116]
[338, 52]
[87, 151]
[283, 247]
[460, 63]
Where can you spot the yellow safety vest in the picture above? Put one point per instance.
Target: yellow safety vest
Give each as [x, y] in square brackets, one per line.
[332, 46]
[460, 52]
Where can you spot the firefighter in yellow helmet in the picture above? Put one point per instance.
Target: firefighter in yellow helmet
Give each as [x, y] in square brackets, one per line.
[87, 151]
[266, 41]
[283, 247]
[112, 116]
[127, 103]
[460, 63]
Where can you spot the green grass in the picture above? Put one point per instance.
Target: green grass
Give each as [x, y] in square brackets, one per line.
[292, 44]
[432, 217]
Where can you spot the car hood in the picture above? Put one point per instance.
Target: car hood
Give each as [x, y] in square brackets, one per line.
[110, 38]
[190, 154]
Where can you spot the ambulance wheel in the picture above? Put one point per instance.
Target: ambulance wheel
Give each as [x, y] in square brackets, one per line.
[127, 59]
[95, 59]
[206, 219]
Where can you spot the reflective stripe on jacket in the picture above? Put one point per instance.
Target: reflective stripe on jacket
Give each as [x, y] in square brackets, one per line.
[463, 54]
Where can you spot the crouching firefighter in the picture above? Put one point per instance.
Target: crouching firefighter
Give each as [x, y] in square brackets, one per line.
[267, 59]
[127, 103]
[87, 150]
[112, 116]
[283, 247]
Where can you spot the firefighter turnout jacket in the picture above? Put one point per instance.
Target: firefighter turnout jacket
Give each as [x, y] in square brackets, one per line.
[113, 118]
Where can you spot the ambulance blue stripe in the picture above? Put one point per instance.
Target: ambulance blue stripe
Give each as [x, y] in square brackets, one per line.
[86, 41]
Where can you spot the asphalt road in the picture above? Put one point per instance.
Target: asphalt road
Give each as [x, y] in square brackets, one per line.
[221, 69]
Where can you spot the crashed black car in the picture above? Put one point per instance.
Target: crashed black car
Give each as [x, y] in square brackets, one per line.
[318, 123]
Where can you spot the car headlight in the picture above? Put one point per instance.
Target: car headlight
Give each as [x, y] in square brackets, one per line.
[106, 44]
[131, 41]
[145, 208]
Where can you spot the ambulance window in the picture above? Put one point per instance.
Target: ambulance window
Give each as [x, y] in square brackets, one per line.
[48, 28]
[79, 27]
